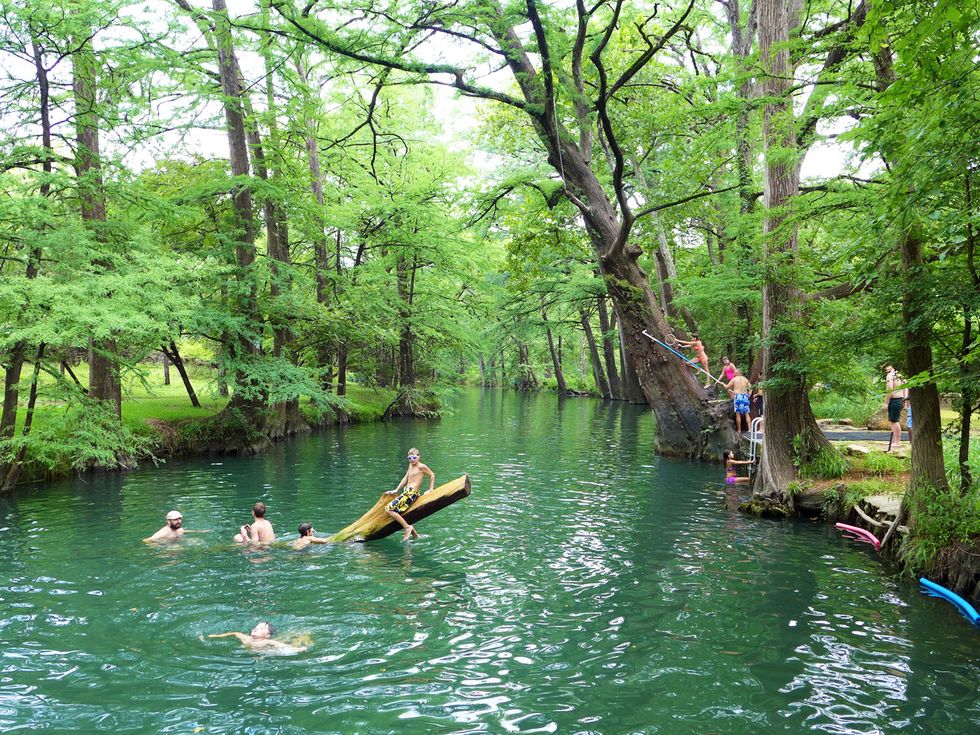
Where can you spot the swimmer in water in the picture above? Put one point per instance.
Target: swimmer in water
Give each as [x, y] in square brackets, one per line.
[173, 531]
[260, 639]
[731, 473]
[259, 531]
[306, 537]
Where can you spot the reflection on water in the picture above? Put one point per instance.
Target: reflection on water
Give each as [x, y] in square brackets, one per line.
[586, 586]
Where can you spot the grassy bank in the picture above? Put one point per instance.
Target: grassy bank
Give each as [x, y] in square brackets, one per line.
[158, 420]
[945, 526]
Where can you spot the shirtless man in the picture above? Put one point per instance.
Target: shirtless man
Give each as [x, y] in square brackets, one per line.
[739, 389]
[702, 356]
[412, 481]
[260, 531]
[306, 537]
[173, 531]
[893, 403]
[260, 639]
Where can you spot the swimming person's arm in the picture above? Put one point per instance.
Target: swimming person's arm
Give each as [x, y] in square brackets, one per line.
[240, 636]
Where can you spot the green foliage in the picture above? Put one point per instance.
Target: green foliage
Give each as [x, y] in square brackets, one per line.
[856, 490]
[940, 520]
[77, 438]
[827, 464]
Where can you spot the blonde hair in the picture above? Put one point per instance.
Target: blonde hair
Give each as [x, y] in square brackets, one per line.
[415, 451]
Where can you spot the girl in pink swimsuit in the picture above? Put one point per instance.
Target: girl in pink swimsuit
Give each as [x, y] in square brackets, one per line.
[731, 473]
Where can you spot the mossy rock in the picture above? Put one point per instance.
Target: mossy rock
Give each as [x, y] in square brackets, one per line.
[766, 508]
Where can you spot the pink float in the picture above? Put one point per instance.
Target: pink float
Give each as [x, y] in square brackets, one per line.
[859, 534]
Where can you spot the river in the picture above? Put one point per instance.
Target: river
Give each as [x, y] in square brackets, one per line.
[586, 586]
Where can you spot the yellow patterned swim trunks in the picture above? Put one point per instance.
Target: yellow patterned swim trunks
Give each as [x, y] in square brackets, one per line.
[404, 501]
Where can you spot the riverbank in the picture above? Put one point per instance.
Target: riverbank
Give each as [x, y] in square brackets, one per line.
[870, 493]
[159, 422]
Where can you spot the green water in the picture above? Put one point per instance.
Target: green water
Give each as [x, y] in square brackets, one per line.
[586, 586]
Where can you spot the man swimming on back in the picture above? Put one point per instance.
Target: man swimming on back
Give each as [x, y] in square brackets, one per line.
[260, 639]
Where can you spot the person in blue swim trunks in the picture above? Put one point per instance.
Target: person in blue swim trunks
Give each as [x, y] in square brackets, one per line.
[411, 482]
[739, 389]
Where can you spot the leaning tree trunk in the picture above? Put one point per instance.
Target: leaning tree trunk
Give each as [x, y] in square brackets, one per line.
[792, 433]
[104, 382]
[170, 352]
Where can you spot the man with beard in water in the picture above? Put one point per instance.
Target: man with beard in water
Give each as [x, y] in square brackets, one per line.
[174, 530]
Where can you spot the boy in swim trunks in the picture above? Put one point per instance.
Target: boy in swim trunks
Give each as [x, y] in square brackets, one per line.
[739, 388]
[411, 483]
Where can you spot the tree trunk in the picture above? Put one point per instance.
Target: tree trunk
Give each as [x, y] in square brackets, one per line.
[526, 380]
[166, 369]
[11, 471]
[601, 384]
[172, 354]
[966, 403]
[405, 280]
[928, 468]
[792, 434]
[11, 393]
[966, 383]
[631, 382]
[740, 49]
[103, 366]
[555, 359]
[609, 351]
[248, 396]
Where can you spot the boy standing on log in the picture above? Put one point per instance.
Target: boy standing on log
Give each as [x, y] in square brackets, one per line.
[411, 483]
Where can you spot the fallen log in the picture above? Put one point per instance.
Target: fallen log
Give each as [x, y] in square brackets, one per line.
[377, 524]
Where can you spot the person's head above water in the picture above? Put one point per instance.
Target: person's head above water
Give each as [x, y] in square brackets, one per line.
[175, 519]
[258, 510]
[305, 529]
[261, 630]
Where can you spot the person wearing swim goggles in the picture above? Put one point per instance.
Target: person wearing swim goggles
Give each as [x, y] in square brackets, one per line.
[411, 483]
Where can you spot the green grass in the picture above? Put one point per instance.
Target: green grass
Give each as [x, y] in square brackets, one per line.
[73, 434]
[828, 405]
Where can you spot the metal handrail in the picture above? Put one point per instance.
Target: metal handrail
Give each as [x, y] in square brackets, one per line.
[755, 437]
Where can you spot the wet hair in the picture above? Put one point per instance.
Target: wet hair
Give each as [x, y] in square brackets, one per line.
[259, 509]
[271, 629]
[414, 451]
[727, 455]
[305, 529]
